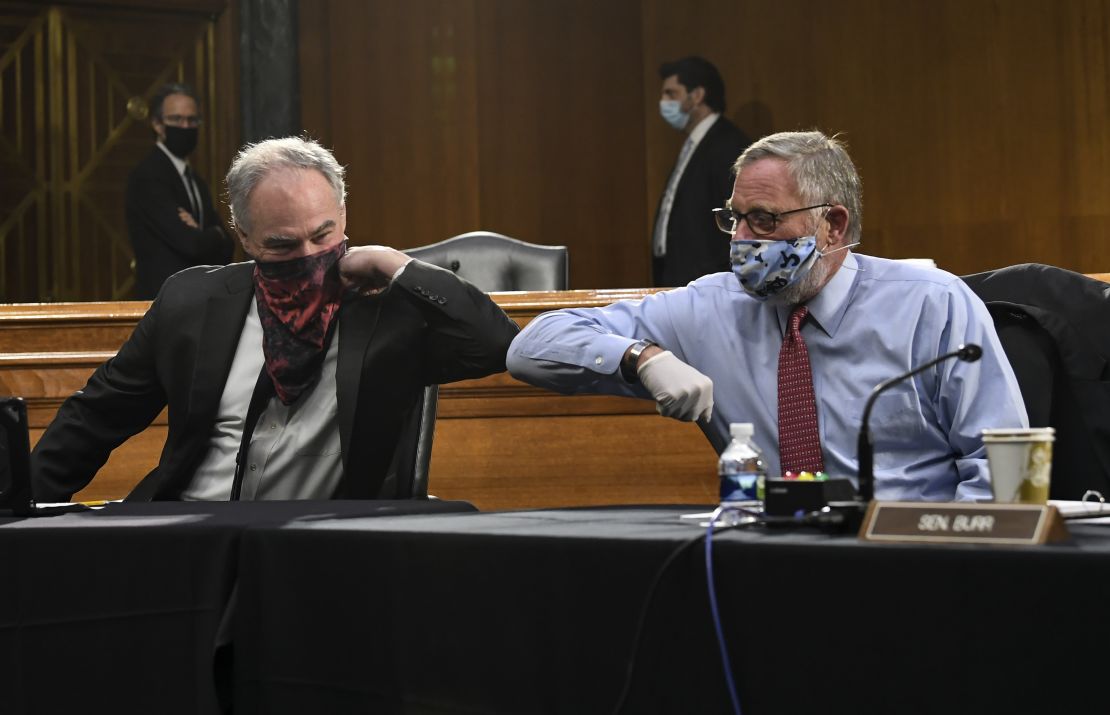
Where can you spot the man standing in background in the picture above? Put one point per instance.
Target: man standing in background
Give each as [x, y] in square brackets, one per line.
[686, 243]
[170, 217]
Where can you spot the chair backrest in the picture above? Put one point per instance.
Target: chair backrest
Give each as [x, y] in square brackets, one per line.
[1052, 325]
[15, 450]
[494, 262]
[414, 448]
[423, 457]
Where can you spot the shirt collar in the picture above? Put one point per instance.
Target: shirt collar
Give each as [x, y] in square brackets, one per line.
[178, 163]
[698, 133]
[827, 308]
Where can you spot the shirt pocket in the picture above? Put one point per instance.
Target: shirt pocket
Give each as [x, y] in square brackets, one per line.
[896, 423]
[316, 443]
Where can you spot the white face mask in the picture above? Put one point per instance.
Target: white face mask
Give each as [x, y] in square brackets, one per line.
[671, 111]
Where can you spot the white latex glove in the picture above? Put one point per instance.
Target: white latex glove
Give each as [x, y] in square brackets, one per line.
[680, 391]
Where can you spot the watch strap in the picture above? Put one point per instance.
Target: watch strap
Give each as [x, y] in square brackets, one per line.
[631, 358]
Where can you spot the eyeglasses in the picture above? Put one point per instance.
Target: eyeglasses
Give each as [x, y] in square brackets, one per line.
[762, 223]
[182, 120]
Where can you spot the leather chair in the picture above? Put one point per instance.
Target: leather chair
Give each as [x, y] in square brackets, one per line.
[414, 454]
[494, 262]
[1052, 325]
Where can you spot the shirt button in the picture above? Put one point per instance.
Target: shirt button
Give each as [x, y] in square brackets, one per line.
[599, 360]
[273, 425]
[254, 467]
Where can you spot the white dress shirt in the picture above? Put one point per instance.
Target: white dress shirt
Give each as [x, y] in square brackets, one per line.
[294, 451]
[192, 191]
[659, 238]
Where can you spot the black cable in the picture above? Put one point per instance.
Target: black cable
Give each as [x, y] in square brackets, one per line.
[637, 639]
[821, 519]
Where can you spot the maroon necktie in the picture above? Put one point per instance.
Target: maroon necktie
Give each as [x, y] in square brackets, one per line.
[799, 440]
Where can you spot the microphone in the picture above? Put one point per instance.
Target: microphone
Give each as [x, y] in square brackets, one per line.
[865, 451]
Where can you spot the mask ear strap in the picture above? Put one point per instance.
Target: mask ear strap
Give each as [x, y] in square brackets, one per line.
[842, 248]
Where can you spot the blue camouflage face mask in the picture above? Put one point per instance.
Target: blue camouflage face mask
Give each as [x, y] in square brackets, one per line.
[764, 267]
[671, 111]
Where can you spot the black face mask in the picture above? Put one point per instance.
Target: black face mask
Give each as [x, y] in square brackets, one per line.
[180, 140]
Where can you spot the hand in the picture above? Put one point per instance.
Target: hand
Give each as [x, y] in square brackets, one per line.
[370, 269]
[186, 218]
[680, 391]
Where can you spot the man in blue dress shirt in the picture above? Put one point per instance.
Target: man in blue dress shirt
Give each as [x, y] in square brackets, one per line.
[710, 352]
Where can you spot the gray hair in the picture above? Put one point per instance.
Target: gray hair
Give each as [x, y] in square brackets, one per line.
[255, 161]
[819, 165]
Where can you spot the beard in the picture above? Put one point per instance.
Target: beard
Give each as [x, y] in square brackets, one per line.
[809, 286]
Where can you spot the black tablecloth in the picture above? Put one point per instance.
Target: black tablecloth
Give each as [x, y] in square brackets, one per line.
[118, 610]
[536, 612]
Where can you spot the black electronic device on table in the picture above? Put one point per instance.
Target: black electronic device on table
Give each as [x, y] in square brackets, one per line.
[15, 463]
[15, 467]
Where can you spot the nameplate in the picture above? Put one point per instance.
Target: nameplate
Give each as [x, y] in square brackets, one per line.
[962, 523]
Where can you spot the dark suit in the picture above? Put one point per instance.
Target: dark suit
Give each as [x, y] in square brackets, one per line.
[695, 246]
[429, 327]
[163, 244]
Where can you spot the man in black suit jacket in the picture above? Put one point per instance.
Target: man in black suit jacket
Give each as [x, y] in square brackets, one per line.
[170, 217]
[341, 402]
[686, 243]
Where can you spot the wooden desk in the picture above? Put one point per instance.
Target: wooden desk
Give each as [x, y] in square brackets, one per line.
[498, 441]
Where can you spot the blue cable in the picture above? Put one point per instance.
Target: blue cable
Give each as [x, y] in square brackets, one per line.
[725, 662]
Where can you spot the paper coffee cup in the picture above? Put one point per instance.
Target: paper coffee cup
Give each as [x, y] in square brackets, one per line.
[1020, 463]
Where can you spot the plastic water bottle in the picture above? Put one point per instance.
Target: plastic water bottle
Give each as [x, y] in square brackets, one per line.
[740, 466]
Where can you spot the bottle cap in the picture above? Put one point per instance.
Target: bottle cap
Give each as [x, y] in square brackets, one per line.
[741, 429]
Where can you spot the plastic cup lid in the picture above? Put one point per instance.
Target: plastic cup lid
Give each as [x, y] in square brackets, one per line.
[1018, 434]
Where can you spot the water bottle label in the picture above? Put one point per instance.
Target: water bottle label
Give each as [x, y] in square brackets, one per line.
[742, 486]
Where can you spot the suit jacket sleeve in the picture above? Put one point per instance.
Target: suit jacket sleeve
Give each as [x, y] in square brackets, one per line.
[468, 334]
[121, 399]
[153, 203]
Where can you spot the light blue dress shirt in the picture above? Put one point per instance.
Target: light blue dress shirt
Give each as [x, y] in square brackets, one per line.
[875, 319]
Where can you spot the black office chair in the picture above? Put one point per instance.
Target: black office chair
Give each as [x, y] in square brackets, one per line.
[414, 453]
[1053, 326]
[494, 262]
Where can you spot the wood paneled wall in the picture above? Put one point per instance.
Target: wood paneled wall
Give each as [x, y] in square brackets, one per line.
[523, 118]
[980, 127]
[76, 77]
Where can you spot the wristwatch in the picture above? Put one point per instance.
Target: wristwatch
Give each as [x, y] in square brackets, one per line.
[632, 357]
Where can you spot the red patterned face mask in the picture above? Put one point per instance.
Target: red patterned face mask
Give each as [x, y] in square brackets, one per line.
[297, 304]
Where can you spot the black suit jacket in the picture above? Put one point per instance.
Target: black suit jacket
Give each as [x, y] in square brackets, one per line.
[162, 243]
[1055, 327]
[695, 246]
[430, 327]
